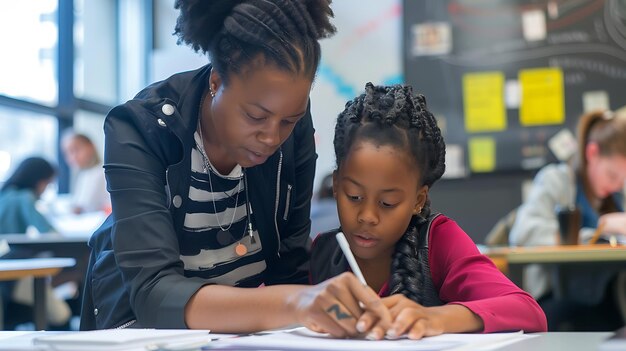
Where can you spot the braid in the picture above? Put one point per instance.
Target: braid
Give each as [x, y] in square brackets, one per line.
[235, 33]
[393, 115]
[406, 270]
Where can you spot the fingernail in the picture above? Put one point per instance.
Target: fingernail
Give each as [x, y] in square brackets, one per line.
[360, 326]
[372, 336]
[392, 333]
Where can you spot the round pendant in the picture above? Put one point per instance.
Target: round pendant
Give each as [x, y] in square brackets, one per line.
[241, 249]
[225, 237]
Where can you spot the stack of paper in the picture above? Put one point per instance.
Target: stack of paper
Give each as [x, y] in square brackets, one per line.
[124, 339]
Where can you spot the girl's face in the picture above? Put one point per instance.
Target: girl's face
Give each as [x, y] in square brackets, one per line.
[377, 191]
[254, 114]
[607, 174]
[41, 186]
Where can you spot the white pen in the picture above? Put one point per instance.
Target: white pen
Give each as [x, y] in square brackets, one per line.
[345, 247]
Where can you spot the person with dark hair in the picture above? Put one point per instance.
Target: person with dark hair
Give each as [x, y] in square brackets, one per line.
[211, 175]
[18, 212]
[20, 193]
[592, 183]
[389, 153]
[89, 193]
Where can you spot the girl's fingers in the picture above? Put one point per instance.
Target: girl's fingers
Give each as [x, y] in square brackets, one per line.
[418, 330]
[403, 322]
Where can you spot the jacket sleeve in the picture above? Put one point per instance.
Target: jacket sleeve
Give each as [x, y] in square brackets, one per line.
[536, 223]
[466, 277]
[144, 241]
[293, 264]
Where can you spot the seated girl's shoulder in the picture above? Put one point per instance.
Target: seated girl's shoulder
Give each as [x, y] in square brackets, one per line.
[324, 239]
[444, 226]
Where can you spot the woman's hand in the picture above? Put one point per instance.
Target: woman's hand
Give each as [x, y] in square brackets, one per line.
[613, 223]
[411, 318]
[333, 307]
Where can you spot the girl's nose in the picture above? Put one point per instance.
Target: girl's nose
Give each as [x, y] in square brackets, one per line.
[368, 215]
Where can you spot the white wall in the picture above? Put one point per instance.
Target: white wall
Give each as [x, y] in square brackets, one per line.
[367, 47]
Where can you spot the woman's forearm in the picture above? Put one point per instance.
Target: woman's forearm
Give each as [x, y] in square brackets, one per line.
[225, 309]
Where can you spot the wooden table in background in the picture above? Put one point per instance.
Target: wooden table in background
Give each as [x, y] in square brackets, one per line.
[514, 259]
[40, 269]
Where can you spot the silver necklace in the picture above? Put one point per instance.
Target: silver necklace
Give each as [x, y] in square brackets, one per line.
[240, 248]
[208, 168]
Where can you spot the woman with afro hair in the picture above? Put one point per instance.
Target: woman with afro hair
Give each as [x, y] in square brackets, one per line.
[210, 174]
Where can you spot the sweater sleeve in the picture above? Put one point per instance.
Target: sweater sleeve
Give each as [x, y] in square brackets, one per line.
[466, 277]
[31, 215]
[536, 223]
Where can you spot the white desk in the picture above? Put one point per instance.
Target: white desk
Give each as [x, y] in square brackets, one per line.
[39, 269]
[544, 342]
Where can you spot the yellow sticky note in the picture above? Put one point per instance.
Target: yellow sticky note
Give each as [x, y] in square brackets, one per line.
[483, 100]
[542, 97]
[482, 154]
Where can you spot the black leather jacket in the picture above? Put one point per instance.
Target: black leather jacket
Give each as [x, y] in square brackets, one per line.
[135, 276]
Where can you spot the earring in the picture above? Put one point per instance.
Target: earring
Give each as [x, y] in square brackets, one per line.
[212, 93]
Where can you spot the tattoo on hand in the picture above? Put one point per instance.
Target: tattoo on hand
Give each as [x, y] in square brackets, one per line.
[338, 314]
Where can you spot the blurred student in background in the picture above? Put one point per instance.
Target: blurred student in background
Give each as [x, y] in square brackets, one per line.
[324, 208]
[88, 190]
[19, 195]
[18, 212]
[593, 184]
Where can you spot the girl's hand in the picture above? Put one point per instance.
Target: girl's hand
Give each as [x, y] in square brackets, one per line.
[412, 318]
[613, 223]
[333, 307]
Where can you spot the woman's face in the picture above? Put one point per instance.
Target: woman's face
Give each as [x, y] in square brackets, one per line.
[607, 174]
[253, 114]
[78, 153]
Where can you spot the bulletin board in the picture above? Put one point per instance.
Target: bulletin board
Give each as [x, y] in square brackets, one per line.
[507, 79]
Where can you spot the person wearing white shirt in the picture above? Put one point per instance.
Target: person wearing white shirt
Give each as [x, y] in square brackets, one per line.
[89, 192]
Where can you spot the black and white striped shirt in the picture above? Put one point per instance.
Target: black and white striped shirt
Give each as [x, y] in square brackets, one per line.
[218, 203]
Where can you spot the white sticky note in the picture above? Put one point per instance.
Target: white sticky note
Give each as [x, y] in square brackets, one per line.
[512, 94]
[563, 144]
[596, 100]
[455, 162]
[431, 38]
[534, 25]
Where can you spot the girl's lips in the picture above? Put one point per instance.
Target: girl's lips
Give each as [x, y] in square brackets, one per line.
[364, 240]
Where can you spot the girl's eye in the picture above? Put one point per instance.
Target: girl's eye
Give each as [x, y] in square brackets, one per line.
[354, 197]
[387, 205]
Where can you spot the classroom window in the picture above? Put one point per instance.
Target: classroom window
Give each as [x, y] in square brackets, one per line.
[95, 51]
[29, 42]
[31, 134]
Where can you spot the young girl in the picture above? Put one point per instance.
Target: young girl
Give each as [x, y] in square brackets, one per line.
[593, 183]
[389, 153]
[19, 195]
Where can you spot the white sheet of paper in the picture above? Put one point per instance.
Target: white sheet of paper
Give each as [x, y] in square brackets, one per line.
[124, 339]
[304, 339]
